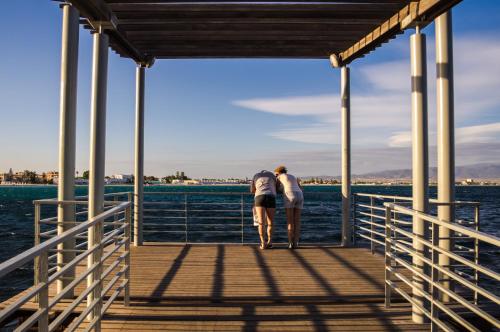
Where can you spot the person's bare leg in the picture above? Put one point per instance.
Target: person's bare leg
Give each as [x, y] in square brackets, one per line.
[261, 214]
[270, 220]
[290, 225]
[296, 223]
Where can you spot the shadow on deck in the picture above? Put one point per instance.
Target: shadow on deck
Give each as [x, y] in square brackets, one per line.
[242, 288]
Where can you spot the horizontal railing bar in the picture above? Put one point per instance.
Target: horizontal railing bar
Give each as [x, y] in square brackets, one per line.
[478, 311]
[371, 239]
[72, 285]
[113, 297]
[371, 231]
[28, 323]
[441, 269]
[363, 221]
[163, 217]
[439, 304]
[451, 226]
[11, 308]
[404, 198]
[28, 255]
[408, 297]
[78, 320]
[450, 254]
[371, 215]
[370, 207]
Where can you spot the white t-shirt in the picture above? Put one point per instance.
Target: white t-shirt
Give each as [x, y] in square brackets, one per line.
[289, 182]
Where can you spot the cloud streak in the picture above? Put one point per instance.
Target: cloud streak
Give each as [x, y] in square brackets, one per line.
[382, 115]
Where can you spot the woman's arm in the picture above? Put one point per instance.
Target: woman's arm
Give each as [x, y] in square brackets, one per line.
[252, 188]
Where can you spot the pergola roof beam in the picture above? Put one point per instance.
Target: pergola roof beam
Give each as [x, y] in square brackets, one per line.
[143, 29]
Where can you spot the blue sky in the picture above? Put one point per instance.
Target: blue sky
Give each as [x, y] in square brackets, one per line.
[224, 118]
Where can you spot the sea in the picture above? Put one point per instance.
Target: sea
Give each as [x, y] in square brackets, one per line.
[321, 217]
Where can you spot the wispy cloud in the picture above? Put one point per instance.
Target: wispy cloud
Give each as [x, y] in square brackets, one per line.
[487, 133]
[383, 113]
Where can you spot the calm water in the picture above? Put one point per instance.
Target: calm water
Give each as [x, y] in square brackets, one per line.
[322, 206]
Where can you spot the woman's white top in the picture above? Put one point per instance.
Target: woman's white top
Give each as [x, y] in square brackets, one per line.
[289, 182]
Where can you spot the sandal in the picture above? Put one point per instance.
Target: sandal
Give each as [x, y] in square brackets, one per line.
[262, 246]
[269, 245]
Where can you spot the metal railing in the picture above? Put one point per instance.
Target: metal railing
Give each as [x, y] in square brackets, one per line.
[195, 217]
[111, 263]
[467, 297]
[206, 217]
[368, 216]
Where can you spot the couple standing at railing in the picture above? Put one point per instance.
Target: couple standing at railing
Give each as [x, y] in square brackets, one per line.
[265, 186]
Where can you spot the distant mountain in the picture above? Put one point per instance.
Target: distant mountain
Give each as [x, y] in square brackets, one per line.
[475, 171]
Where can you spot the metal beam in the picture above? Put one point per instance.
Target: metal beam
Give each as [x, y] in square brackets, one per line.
[445, 133]
[420, 160]
[67, 139]
[346, 154]
[139, 155]
[97, 160]
[98, 13]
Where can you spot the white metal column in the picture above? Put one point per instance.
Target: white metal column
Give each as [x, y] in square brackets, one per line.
[346, 154]
[445, 133]
[97, 158]
[420, 158]
[67, 139]
[139, 155]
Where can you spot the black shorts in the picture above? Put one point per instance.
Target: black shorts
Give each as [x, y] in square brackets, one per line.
[267, 201]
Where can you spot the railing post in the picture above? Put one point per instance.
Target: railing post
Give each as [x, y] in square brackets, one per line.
[43, 295]
[116, 218]
[185, 218]
[434, 277]
[387, 257]
[372, 227]
[36, 265]
[354, 202]
[242, 222]
[476, 251]
[128, 221]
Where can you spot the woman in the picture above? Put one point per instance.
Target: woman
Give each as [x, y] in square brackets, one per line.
[264, 188]
[293, 201]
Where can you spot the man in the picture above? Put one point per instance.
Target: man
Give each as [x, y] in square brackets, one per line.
[264, 188]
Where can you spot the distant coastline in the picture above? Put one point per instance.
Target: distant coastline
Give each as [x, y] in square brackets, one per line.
[246, 185]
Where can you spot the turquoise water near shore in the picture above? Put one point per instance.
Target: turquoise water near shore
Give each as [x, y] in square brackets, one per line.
[16, 215]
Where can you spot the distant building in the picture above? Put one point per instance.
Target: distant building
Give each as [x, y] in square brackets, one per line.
[468, 182]
[119, 179]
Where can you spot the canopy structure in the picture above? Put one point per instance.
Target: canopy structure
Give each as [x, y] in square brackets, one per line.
[145, 30]
[157, 29]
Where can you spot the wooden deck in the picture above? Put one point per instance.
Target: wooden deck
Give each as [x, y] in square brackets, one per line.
[242, 288]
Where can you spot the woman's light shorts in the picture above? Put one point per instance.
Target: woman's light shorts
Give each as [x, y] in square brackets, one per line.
[293, 200]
